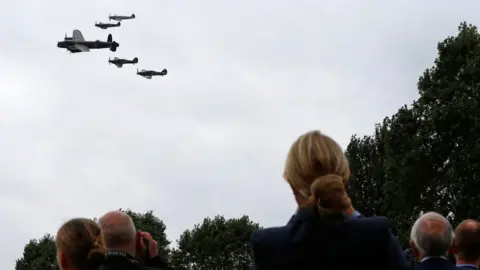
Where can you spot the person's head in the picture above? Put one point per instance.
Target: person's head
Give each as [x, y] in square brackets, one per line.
[431, 235]
[80, 245]
[119, 231]
[318, 173]
[467, 242]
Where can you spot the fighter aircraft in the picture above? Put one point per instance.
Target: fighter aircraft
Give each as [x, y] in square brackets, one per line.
[120, 62]
[77, 43]
[120, 17]
[106, 25]
[147, 74]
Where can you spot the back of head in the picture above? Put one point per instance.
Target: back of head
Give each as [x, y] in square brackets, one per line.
[432, 235]
[81, 244]
[467, 240]
[119, 231]
[318, 172]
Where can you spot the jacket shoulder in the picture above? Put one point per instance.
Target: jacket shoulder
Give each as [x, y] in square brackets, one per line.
[269, 237]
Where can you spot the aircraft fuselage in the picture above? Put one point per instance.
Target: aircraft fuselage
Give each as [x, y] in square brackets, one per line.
[107, 25]
[90, 44]
[121, 61]
[120, 18]
[103, 26]
[70, 45]
[77, 43]
[149, 73]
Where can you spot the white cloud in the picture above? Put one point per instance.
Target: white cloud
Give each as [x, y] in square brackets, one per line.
[79, 137]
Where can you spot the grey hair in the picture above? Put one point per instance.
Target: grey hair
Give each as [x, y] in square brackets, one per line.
[431, 243]
[117, 232]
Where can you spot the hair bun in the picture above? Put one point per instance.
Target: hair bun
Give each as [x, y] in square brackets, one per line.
[96, 257]
[329, 194]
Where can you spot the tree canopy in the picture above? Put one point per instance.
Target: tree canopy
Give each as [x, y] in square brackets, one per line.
[216, 244]
[39, 254]
[425, 156]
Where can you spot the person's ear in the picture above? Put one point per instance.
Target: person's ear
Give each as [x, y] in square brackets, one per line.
[415, 251]
[62, 260]
[453, 248]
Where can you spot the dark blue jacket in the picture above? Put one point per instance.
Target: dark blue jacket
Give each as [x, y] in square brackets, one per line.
[309, 241]
[436, 264]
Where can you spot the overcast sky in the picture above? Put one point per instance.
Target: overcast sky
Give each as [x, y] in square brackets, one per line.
[79, 137]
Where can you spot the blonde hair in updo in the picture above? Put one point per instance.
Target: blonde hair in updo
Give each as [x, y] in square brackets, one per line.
[318, 172]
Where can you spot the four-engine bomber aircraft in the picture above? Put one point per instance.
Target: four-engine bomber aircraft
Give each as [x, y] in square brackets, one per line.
[120, 17]
[120, 62]
[106, 25]
[147, 74]
[77, 43]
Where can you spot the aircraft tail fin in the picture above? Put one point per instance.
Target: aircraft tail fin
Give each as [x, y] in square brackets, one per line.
[135, 60]
[164, 72]
[110, 38]
[77, 35]
[133, 16]
[118, 24]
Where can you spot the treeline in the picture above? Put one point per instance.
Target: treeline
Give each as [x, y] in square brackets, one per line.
[424, 157]
[427, 155]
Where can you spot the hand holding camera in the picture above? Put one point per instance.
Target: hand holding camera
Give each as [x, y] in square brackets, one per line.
[147, 248]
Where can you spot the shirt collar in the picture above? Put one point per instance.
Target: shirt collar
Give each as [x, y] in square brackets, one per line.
[467, 265]
[434, 257]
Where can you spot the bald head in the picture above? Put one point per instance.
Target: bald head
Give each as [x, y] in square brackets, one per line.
[118, 230]
[467, 240]
[432, 235]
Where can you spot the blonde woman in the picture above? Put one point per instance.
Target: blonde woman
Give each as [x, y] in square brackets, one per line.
[326, 232]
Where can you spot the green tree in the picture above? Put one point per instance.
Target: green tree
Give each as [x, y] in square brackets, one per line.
[366, 157]
[450, 98]
[426, 156]
[41, 254]
[216, 244]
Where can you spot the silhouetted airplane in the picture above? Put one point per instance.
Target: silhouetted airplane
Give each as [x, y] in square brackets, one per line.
[120, 62]
[77, 43]
[147, 74]
[120, 17]
[106, 25]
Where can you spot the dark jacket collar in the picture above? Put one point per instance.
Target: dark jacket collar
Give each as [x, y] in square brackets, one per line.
[436, 263]
[118, 257]
[310, 213]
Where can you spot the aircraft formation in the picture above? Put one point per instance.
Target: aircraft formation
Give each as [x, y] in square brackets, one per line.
[77, 43]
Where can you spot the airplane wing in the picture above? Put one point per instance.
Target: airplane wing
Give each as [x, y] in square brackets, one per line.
[73, 50]
[81, 48]
[77, 35]
[119, 65]
[148, 76]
